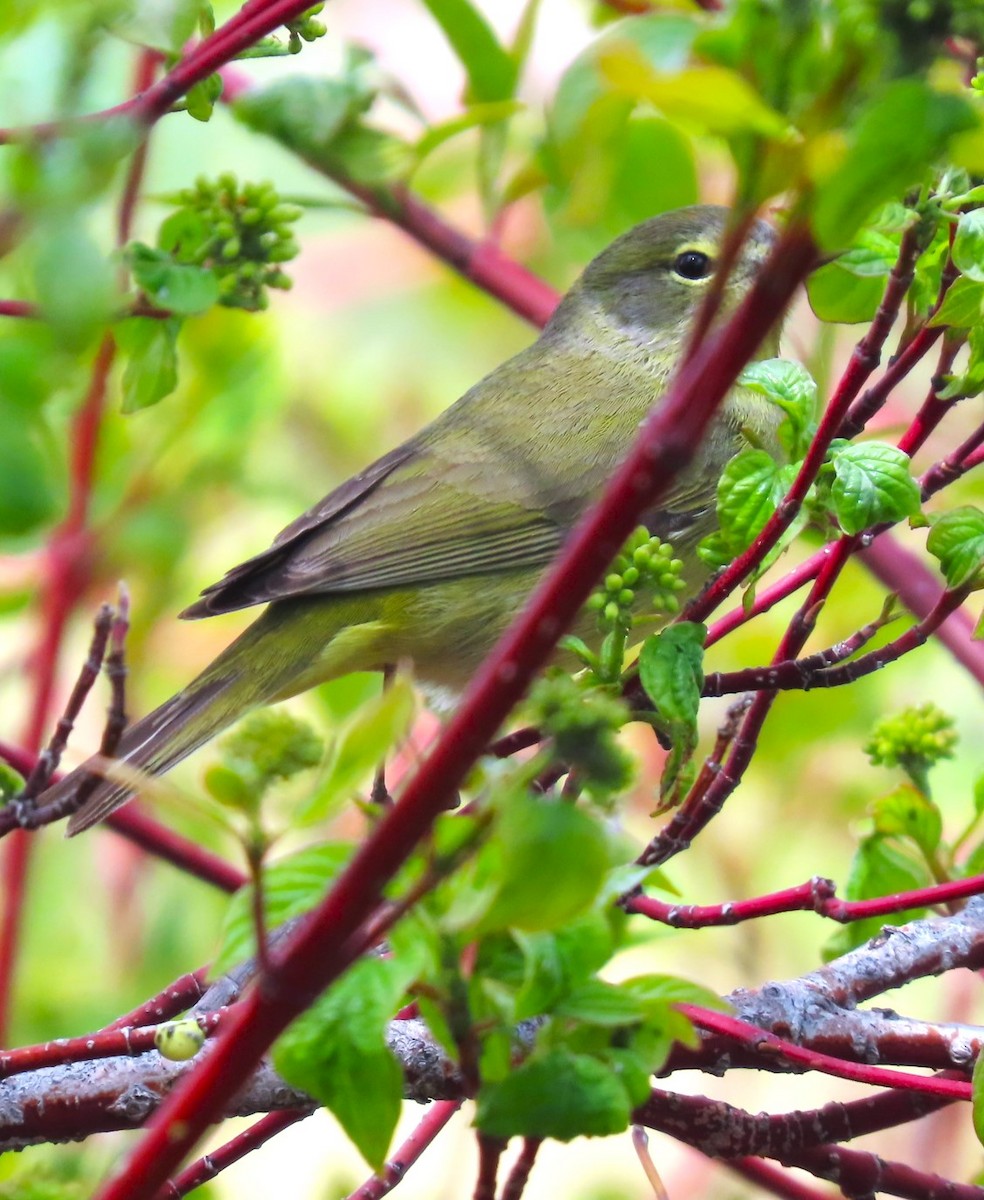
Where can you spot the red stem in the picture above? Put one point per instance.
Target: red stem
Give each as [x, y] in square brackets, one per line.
[112, 1042]
[798, 674]
[813, 1060]
[216, 1161]
[175, 998]
[62, 587]
[774, 1179]
[816, 895]
[17, 308]
[431, 1124]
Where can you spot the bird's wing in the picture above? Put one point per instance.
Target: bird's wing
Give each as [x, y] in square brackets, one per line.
[405, 521]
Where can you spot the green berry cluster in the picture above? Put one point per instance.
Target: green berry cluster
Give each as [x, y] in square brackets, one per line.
[242, 232]
[645, 568]
[583, 725]
[913, 739]
[305, 28]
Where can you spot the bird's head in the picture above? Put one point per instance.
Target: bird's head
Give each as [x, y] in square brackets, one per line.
[648, 284]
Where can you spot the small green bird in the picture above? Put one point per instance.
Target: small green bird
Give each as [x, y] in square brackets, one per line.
[429, 552]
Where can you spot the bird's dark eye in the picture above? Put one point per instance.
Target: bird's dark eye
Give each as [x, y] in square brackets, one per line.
[693, 264]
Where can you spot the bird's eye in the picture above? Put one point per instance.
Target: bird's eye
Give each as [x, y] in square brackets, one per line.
[693, 264]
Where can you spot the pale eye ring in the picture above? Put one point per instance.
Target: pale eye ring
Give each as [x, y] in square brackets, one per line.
[693, 264]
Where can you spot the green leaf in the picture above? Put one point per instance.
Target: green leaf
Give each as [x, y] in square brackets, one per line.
[600, 181]
[11, 783]
[75, 283]
[872, 484]
[750, 488]
[790, 386]
[560, 961]
[181, 288]
[902, 130]
[971, 382]
[303, 113]
[839, 295]
[663, 39]
[337, 1052]
[671, 671]
[550, 860]
[319, 120]
[556, 1095]
[474, 116]
[907, 812]
[201, 97]
[600, 1003]
[872, 256]
[491, 69]
[151, 370]
[367, 156]
[977, 1097]
[963, 304]
[600, 146]
[979, 795]
[711, 99]
[545, 979]
[361, 746]
[956, 539]
[968, 245]
[291, 886]
[671, 989]
[27, 495]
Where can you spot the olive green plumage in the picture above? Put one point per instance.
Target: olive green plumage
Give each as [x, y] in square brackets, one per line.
[428, 553]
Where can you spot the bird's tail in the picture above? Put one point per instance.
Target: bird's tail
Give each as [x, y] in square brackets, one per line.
[263, 664]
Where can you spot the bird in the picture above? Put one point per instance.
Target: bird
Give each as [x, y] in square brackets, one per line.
[428, 553]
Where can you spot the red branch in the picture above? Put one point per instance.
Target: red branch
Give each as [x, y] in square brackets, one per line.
[216, 1161]
[799, 673]
[18, 308]
[519, 1174]
[431, 1124]
[65, 570]
[108, 1043]
[816, 895]
[812, 1060]
[774, 1180]
[174, 999]
[857, 1173]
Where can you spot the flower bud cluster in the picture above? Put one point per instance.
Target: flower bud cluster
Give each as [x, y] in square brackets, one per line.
[243, 234]
[305, 28]
[915, 736]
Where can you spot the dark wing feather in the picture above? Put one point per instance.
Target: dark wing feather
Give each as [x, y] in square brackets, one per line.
[232, 591]
[406, 520]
